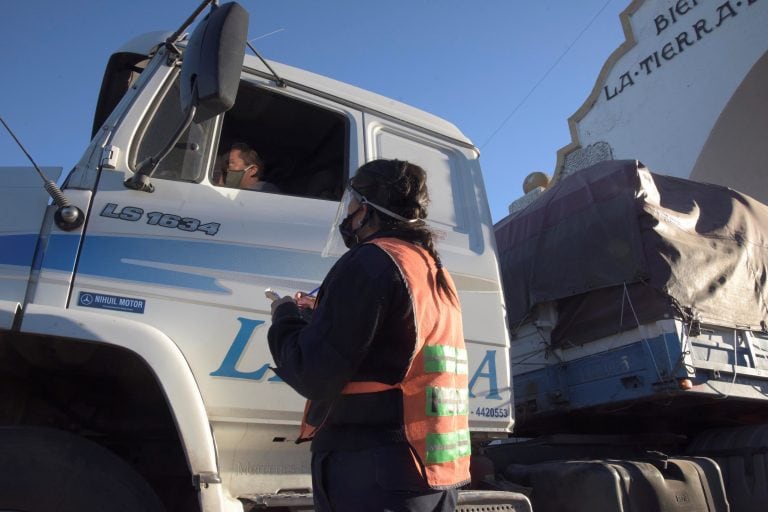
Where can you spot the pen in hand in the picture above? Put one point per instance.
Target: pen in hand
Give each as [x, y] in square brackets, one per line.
[306, 300]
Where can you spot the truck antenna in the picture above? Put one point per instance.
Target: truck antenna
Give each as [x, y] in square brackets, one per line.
[68, 217]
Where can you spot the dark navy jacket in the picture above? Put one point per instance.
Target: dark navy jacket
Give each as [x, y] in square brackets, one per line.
[362, 329]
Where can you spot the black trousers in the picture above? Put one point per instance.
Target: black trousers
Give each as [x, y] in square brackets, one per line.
[381, 479]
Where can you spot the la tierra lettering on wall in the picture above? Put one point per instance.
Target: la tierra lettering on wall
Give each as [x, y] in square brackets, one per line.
[682, 13]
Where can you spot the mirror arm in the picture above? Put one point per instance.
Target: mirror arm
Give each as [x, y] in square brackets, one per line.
[140, 179]
[173, 38]
[278, 80]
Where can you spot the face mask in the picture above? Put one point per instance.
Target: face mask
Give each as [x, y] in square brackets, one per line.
[341, 232]
[233, 178]
[348, 234]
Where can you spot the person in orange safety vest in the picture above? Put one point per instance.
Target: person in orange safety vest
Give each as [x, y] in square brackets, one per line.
[382, 359]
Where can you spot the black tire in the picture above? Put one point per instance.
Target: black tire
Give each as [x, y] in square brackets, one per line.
[47, 470]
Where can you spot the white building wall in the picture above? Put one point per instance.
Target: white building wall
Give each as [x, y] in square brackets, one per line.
[660, 94]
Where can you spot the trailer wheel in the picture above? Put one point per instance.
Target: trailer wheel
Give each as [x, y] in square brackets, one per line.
[44, 470]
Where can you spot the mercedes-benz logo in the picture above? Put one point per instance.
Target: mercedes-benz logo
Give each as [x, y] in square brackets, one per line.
[86, 299]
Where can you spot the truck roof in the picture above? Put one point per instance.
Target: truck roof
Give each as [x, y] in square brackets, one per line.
[146, 44]
[362, 97]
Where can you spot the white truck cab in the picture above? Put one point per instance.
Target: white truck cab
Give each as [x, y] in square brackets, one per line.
[142, 331]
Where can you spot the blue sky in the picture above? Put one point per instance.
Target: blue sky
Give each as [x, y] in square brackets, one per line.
[476, 63]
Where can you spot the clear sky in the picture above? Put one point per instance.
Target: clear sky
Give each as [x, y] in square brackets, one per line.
[508, 73]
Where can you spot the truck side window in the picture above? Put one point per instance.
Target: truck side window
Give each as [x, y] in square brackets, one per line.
[303, 147]
[186, 160]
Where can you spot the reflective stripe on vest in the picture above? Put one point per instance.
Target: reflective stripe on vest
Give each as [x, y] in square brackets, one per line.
[435, 387]
[448, 447]
[441, 358]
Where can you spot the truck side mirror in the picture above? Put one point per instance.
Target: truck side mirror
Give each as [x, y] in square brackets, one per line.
[210, 71]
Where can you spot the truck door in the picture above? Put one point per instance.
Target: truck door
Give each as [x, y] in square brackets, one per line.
[194, 257]
[459, 216]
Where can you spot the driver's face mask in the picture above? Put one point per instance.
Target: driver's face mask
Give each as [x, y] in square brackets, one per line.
[232, 178]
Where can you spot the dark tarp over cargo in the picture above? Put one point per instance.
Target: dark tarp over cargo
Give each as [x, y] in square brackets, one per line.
[615, 244]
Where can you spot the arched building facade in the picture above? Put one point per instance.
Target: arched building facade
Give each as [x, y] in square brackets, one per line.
[686, 94]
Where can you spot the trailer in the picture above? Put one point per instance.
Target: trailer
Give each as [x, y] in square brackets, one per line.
[637, 310]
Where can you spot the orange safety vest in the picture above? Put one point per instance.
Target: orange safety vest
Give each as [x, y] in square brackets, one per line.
[435, 392]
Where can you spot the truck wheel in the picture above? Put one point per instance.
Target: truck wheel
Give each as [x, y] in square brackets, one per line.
[44, 470]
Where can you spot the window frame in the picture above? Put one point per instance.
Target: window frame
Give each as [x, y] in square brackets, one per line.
[301, 99]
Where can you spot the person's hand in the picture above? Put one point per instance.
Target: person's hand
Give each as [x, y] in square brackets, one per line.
[276, 303]
[305, 301]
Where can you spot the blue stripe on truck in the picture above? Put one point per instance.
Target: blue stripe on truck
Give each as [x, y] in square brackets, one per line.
[199, 263]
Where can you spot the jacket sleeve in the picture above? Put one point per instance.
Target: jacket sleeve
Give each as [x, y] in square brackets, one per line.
[317, 358]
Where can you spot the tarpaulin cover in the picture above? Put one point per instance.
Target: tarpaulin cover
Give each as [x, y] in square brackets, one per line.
[616, 244]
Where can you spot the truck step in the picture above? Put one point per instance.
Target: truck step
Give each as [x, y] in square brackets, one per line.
[492, 501]
[287, 500]
[469, 501]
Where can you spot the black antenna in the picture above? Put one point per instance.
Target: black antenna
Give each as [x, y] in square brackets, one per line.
[68, 217]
